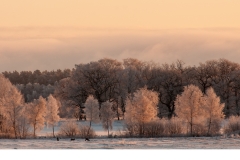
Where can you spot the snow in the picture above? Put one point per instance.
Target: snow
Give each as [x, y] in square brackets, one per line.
[101, 142]
[124, 143]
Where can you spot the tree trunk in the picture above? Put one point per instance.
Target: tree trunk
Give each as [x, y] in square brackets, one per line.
[89, 129]
[191, 128]
[209, 125]
[53, 131]
[117, 113]
[108, 128]
[34, 132]
[14, 128]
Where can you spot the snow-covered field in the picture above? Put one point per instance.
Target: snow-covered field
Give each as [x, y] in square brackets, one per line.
[220, 142]
[125, 143]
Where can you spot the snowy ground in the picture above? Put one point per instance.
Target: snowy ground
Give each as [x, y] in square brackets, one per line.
[124, 143]
[220, 142]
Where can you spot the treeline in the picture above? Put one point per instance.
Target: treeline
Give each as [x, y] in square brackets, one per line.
[174, 99]
[43, 78]
[34, 91]
[35, 84]
[112, 80]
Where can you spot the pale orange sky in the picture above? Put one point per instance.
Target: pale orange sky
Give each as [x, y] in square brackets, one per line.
[147, 14]
[52, 34]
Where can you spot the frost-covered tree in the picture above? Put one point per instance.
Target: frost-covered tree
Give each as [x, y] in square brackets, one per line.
[52, 116]
[37, 112]
[72, 93]
[213, 111]
[167, 80]
[23, 125]
[133, 74]
[11, 107]
[205, 74]
[45, 77]
[141, 108]
[92, 111]
[236, 92]
[189, 107]
[107, 115]
[14, 108]
[98, 78]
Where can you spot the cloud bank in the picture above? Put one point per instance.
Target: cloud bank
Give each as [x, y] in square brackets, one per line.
[59, 48]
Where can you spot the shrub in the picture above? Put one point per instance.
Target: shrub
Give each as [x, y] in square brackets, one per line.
[154, 129]
[199, 129]
[232, 125]
[174, 127]
[150, 129]
[131, 129]
[83, 132]
[215, 127]
[69, 129]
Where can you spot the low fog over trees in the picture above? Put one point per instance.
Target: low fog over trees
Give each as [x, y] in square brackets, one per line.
[132, 90]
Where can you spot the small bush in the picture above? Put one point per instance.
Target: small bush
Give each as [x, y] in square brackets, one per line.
[6, 135]
[199, 130]
[69, 129]
[154, 129]
[214, 127]
[150, 129]
[131, 129]
[83, 130]
[232, 125]
[174, 127]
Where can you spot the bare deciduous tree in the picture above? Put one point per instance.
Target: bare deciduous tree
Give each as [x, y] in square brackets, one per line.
[11, 106]
[37, 112]
[52, 116]
[141, 108]
[213, 111]
[92, 111]
[107, 115]
[189, 107]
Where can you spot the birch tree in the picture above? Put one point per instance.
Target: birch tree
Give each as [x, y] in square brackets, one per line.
[189, 107]
[52, 116]
[14, 108]
[141, 108]
[213, 111]
[11, 107]
[37, 112]
[92, 111]
[107, 115]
